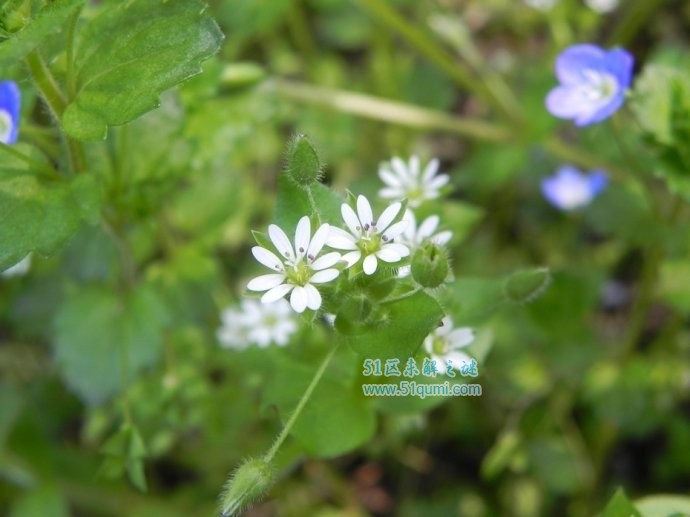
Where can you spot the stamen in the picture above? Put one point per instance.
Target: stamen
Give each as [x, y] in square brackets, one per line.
[358, 228]
[384, 238]
[373, 223]
[310, 257]
[366, 227]
[301, 250]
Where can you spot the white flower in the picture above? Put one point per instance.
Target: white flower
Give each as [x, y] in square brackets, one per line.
[407, 181]
[414, 236]
[444, 345]
[258, 323]
[20, 268]
[369, 238]
[297, 268]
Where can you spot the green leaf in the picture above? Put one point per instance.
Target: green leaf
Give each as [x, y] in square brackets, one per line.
[45, 500]
[97, 330]
[36, 217]
[620, 506]
[131, 53]
[50, 19]
[293, 203]
[402, 327]
[664, 505]
[324, 428]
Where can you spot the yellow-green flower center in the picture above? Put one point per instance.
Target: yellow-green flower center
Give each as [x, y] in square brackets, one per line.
[439, 346]
[370, 244]
[299, 274]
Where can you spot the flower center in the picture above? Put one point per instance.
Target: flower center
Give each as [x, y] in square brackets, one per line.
[5, 126]
[299, 273]
[370, 244]
[599, 85]
[439, 346]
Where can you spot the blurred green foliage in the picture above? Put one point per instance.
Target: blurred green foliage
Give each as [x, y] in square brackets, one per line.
[111, 375]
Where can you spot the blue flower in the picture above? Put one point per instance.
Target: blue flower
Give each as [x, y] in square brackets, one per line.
[593, 83]
[9, 111]
[569, 188]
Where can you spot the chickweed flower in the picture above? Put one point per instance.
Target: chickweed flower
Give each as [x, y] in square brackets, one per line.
[407, 181]
[369, 238]
[413, 236]
[444, 344]
[296, 268]
[20, 268]
[256, 323]
[593, 83]
[10, 99]
[570, 189]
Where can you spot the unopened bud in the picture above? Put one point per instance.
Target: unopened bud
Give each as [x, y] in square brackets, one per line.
[430, 265]
[246, 486]
[527, 285]
[302, 162]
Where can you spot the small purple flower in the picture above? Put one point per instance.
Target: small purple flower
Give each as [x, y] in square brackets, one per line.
[9, 111]
[593, 83]
[570, 189]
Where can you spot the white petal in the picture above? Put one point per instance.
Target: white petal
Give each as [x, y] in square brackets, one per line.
[428, 343]
[410, 231]
[320, 238]
[427, 228]
[442, 238]
[280, 241]
[399, 249]
[401, 169]
[369, 264]
[460, 337]
[395, 230]
[388, 255]
[364, 210]
[391, 193]
[414, 166]
[430, 170]
[387, 216]
[313, 297]
[438, 182]
[350, 219]
[298, 298]
[321, 277]
[341, 240]
[267, 258]
[276, 293]
[265, 282]
[389, 178]
[302, 236]
[456, 360]
[327, 260]
[352, 258]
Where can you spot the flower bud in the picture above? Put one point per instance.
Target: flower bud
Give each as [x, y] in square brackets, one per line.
[430, 265]
[302, 162]
[527, 285]
[246, 486]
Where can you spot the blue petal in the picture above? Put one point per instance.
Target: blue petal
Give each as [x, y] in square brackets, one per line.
[573, 60]
[592, 117]
[597, 182]
[620, 63]
[10, 101]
